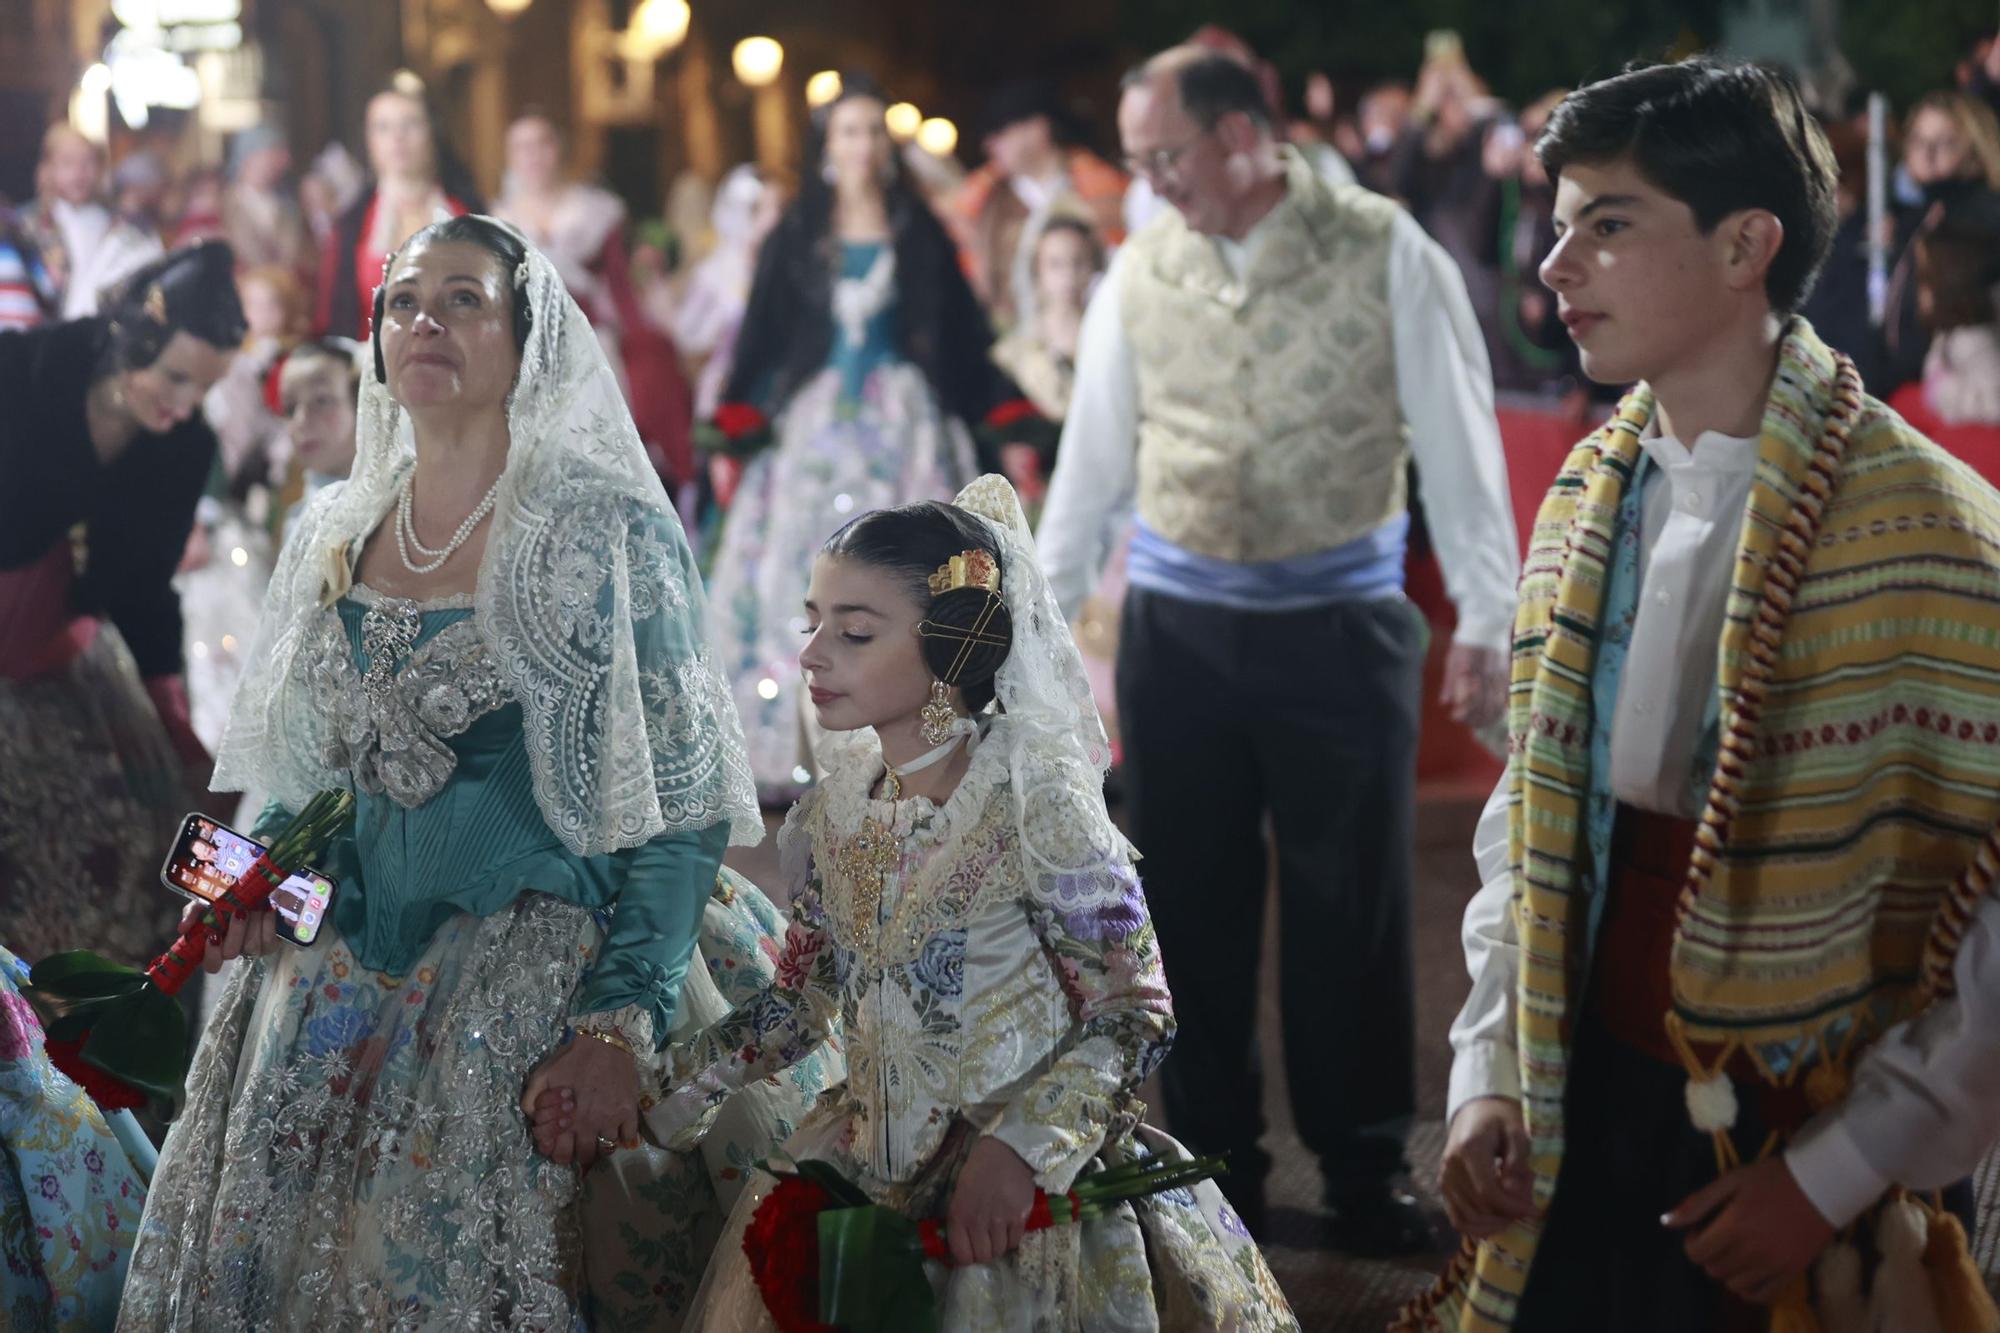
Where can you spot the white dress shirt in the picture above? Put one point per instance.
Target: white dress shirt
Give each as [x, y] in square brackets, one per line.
[1443, 385]
[1925, 1099]
[101, 251]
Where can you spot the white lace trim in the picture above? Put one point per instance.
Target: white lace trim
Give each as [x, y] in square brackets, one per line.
[363, 595]
[585, 563]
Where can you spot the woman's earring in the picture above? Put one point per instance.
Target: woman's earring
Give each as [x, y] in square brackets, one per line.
[827, 173]
[938, 717]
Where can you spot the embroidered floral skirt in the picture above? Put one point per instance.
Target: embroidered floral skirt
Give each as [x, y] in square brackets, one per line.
[353, 1154]
[1178, 1261]
[91, 795]
[835, 459]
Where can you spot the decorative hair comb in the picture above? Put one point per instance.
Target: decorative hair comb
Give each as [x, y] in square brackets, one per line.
[969, 569]
[155, 304]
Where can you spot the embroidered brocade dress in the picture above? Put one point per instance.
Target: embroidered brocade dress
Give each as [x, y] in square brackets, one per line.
[353, 1154]
[867, 432]
[976, 995]
[72, 1182]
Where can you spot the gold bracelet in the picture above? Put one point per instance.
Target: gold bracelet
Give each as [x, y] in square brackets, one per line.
[609, 1038]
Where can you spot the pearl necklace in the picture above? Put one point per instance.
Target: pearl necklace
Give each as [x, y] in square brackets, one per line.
[406, 528]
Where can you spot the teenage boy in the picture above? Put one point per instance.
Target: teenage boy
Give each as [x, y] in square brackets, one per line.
[1736, 960]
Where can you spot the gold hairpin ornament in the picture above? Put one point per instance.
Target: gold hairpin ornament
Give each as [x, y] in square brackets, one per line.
[155, 304]
[969, 569]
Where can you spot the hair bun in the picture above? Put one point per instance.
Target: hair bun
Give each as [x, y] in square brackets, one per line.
[191, 290]
[966, 636]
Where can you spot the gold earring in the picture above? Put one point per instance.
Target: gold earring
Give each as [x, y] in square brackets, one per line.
[938, 716]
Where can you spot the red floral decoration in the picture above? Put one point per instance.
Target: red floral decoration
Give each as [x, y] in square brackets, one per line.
[1009, 412]
[109, 1093]
[739, 419]
[782, 1244]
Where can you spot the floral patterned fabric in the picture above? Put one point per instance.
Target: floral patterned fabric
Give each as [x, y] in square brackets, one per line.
[976, 997]
[836, 458]
[353, 1153]
[375, 1171]
[71, 1187]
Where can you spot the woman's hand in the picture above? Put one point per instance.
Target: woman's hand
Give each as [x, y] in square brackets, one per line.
[989, 1205]
[255, 934]
[601, 1085]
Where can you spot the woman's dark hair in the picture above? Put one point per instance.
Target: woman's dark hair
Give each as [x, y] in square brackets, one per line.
[1076, 226]
[913, 542]
[1958, 266]
[470, 229]
[333, 350]
[787, 329]
[191, 291]
[453, 176]
[1721, 137]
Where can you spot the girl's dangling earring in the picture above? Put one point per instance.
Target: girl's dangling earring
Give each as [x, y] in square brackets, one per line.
[938, 717]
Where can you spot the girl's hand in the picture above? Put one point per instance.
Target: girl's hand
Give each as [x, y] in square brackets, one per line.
[602, 1083]
[990, 1203]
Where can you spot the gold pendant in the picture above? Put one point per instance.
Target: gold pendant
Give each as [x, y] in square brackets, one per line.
[864, 860]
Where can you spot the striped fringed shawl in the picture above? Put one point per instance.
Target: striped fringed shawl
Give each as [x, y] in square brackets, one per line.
[1848, 831]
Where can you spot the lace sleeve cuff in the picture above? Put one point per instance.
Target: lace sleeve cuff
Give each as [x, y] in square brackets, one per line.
[632, 1026]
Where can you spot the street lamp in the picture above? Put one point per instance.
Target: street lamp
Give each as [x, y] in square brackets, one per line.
[657, 27]
[903, 120]
[757, 61]
[822, 87]
[937, 136]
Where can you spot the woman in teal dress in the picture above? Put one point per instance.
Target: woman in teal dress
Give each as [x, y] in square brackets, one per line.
[547, 769]
[866, 349]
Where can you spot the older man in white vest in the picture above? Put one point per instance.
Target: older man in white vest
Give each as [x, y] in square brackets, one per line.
[1258, 368]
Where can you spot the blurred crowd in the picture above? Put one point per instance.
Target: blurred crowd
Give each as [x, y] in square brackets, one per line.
[1912, 300]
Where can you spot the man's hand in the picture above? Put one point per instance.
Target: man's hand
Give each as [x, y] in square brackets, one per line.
[1475, 684]
[1753, 1230]
[1485, 1177]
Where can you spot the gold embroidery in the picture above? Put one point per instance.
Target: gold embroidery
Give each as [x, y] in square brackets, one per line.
[864, 860]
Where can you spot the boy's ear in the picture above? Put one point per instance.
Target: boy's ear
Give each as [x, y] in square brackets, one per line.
[1754, 237]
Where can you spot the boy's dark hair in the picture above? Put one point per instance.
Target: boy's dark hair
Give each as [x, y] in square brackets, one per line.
[911, 543]
[472, 229]
[1721, 137]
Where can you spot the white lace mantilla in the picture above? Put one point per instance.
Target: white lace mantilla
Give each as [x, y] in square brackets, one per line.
[588, 603]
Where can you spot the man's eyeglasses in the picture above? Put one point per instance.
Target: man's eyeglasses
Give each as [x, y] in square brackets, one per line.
[1160, 164]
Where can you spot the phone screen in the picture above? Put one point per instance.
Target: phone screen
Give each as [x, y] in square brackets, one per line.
[209, 857]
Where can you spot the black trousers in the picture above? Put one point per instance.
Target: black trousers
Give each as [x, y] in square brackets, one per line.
[1309, 719]
[1630, 1154]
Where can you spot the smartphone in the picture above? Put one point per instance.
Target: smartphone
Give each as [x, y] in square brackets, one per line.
[209, 857]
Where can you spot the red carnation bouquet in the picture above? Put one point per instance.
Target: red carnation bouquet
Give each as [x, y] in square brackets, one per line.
[826, 1258]
[737, 430]
[119, 1032]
